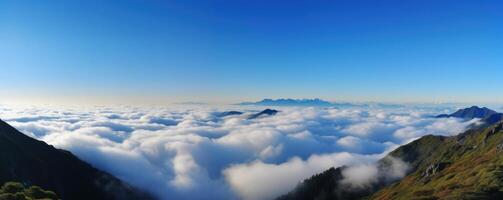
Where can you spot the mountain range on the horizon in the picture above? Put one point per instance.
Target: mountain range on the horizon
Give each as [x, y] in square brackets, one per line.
[466, 166]
[316, 102]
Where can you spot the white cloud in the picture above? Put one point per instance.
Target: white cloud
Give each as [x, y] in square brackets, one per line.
[191, 153]
[362, 176]
[258, 180]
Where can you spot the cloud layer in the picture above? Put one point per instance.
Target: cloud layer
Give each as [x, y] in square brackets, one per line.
[194, 153]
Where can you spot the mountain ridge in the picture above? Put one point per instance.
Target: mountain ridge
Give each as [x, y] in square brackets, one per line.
[428, 158]
[466, 166]
[470, 113]
[266, 112]
[34, 162]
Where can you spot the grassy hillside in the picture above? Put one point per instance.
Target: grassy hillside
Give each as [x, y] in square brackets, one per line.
[468, 166]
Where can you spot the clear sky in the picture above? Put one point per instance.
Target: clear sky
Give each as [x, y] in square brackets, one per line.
[228, 51]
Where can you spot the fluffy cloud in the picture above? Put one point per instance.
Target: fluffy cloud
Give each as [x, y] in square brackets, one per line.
[195, 153]
[362, 176]
[259, 180]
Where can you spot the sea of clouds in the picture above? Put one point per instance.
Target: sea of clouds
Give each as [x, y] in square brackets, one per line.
[195, 153]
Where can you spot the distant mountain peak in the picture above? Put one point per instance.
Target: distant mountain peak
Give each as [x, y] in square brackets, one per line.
[267, 112]
[290, 102]
[229, 113]
[470, 113]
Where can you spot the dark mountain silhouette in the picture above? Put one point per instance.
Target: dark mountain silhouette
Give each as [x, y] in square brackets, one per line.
[470, 113]
[466, 166]
[329, 185]
[290, 102]
[320, 186]
[267, 112]
[228, 113]
[33, 162]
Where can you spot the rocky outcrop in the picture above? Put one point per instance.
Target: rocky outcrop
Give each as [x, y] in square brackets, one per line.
[434, 169]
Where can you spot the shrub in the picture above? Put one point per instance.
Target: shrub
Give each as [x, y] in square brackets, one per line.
[12, 187]
[16, 191]
[36, 192]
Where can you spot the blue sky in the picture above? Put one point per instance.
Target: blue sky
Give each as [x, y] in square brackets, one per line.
[228, 51]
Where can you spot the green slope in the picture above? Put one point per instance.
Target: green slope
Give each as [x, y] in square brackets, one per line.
[468, 166]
